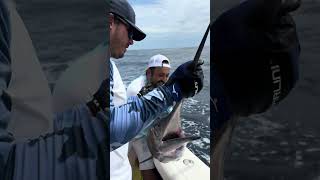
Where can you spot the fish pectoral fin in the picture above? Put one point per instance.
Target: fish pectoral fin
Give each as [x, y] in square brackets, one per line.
[173, 144]
[173, 120]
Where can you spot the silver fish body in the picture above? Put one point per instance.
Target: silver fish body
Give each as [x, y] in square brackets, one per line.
[166, 139]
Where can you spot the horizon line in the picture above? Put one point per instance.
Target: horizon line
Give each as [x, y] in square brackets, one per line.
[167, 48]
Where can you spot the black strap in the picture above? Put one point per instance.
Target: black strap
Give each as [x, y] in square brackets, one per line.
[6, 100]
[94, 107]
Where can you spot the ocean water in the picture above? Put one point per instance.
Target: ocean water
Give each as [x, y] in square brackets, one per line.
[196, 110]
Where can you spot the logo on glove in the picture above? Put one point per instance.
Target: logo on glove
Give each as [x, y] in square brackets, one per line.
[196, 87]
[276, 79]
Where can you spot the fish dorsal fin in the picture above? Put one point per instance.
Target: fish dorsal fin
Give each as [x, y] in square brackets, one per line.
[173, 122]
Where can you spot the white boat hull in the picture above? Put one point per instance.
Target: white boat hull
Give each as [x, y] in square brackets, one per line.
[188, 167]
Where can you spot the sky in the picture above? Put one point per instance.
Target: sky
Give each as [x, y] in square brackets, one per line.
[171, 23]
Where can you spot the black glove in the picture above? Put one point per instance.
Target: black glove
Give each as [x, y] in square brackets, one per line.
[255, 53]
[189, 78]
[101, 99]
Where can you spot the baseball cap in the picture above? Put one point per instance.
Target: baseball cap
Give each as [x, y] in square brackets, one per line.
[255, 51]
[159, 61]
[124, 10]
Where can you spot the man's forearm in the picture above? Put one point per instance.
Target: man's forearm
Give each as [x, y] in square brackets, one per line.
[126, 121]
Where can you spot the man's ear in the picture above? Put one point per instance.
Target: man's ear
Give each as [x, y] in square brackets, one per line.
[148, 73]
[111, 21]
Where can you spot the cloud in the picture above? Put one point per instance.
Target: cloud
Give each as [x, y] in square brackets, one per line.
[165, 16]
[172, 19]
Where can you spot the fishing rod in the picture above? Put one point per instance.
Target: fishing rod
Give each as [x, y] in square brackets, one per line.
[200, 48]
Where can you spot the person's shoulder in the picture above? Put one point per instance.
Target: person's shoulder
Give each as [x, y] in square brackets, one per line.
[135, 86]
[81, 79]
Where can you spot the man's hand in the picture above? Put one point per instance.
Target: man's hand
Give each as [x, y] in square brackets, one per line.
[101, 99]
[188, 78]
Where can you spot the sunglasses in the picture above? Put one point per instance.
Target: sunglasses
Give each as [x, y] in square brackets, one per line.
[129, 28]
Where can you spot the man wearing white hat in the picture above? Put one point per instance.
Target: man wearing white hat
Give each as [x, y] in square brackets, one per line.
[156, 74]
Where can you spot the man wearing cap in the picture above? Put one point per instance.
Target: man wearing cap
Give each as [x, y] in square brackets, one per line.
[127, 115]
[77, 145]
[156, 74]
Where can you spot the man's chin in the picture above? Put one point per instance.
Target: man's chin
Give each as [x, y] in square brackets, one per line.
[158, 84]
[118, 56]
[122, 54]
